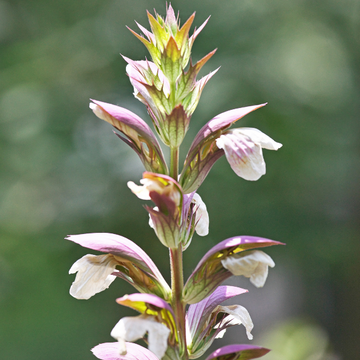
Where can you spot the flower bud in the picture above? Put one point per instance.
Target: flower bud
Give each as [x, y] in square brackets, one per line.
[166, 217]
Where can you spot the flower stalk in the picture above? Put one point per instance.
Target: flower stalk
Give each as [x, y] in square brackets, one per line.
[180, 321]
[176, 268]
[177, 285]
[174, 162]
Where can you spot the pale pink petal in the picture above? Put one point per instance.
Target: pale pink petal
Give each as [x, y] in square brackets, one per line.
[244, 156]
[110, 351]
[243, 150]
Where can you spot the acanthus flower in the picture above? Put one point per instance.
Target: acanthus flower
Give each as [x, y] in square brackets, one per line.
[110, 351]
[198, 218]
[207, 320]
[176, 216]
[242, 148]
[156, 323]
[251, 264]
[95, 273]
[135, 328]
[212, 269]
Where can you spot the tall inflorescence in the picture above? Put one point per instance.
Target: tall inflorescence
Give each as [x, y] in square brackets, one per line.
[180, 321]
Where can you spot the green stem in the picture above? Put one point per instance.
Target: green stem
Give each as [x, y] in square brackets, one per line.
[177, 284]
[174, 163]
[176, 265]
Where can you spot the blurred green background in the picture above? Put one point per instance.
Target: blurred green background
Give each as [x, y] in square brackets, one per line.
[64, 172]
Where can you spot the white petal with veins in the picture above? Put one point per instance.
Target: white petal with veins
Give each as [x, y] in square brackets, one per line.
[93, 275]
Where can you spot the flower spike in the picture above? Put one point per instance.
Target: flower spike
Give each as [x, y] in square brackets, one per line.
[180, 322]
[157, 320]
[207, 320]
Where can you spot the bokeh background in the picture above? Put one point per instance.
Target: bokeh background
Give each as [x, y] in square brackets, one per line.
[64, 172]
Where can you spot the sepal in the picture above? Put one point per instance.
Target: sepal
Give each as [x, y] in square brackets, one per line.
[138, 134]
[187, 81]
[191, 101]
[238, 352]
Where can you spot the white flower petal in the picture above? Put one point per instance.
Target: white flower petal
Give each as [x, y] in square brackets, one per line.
[134, 328]
[149, 185]
[258, 137]
[93, 275]
[151, 223]
[237, 315]
[252, 264]
[221, 334]
[140, 191]
[201, 216]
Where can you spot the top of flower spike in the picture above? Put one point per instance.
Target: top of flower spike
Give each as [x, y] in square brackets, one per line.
[168, 43]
